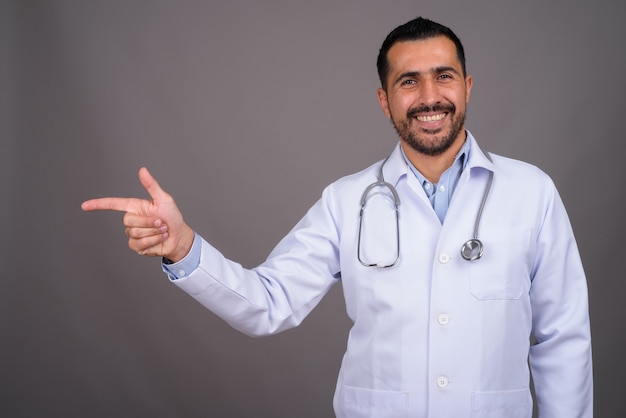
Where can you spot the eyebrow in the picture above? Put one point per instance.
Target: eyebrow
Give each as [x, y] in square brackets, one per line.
[435, 70]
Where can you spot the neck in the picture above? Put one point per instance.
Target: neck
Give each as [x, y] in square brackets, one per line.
[432, 167]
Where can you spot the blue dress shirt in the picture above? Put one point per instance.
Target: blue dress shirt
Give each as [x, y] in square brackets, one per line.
[441, 193]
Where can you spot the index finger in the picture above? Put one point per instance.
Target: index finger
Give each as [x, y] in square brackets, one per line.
[122, 204]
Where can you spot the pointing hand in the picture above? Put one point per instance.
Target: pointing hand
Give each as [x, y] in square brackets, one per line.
[154, 227]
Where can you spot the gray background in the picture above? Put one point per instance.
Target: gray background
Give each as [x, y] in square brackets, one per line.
[244, 111]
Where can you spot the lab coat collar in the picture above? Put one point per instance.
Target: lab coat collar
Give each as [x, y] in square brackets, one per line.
[477, 156]
[396, 167]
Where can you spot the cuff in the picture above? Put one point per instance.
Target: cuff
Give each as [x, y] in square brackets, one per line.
[185, 266]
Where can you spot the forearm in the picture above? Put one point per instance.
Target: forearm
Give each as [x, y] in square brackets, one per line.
[249, 299]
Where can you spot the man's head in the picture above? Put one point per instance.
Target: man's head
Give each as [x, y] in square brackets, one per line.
[425, 88]
[417, 29]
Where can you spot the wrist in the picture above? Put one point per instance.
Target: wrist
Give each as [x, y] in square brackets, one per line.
[183, 247]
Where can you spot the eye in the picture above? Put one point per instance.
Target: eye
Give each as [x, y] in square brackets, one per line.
[408, 82]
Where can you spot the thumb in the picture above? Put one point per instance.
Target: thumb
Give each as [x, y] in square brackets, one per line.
[151, 185]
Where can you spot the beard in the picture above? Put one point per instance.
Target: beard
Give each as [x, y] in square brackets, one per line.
[433, 142]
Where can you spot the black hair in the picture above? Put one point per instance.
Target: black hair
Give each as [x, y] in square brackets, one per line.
[416, 29]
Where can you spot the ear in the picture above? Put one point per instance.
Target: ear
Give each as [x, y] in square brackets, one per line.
[468, 87]
[383, 102]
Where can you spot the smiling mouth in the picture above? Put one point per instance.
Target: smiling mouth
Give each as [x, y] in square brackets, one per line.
[430, 118]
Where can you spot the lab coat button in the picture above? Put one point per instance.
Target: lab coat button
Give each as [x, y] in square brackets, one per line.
[442, 382]
[444, 258]
[443, 319]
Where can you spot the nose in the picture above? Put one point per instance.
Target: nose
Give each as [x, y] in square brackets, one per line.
[429, 93]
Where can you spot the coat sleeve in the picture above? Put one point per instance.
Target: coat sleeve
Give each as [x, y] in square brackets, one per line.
[278, 294]
[560, 358]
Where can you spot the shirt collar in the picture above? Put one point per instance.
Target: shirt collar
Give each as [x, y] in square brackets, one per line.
[397, 167]
[461, 160]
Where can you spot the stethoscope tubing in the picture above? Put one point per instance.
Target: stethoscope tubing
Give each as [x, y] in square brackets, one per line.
[471, 250]
[380, 182]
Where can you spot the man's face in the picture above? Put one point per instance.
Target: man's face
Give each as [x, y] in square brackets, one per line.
[426, 94]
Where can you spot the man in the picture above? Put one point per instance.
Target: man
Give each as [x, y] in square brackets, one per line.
[441, 328]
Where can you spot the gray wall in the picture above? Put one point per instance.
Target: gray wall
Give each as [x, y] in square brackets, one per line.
[244, 111]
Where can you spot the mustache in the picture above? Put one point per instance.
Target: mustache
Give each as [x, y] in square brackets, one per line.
[437, 107]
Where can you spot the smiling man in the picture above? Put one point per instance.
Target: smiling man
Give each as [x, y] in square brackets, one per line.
[452, 261]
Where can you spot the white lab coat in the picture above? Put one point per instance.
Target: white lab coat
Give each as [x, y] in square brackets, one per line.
[434, 336]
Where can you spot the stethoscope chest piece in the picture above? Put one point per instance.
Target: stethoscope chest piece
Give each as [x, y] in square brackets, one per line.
[472, 249]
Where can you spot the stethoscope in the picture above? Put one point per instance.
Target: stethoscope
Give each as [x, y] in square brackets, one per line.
[471, 250]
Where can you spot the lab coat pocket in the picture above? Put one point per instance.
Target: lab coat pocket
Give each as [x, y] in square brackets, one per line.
[363, 403]
[502, 273]
[499, 404]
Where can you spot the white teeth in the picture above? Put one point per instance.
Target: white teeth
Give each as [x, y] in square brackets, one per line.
[431, 118]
